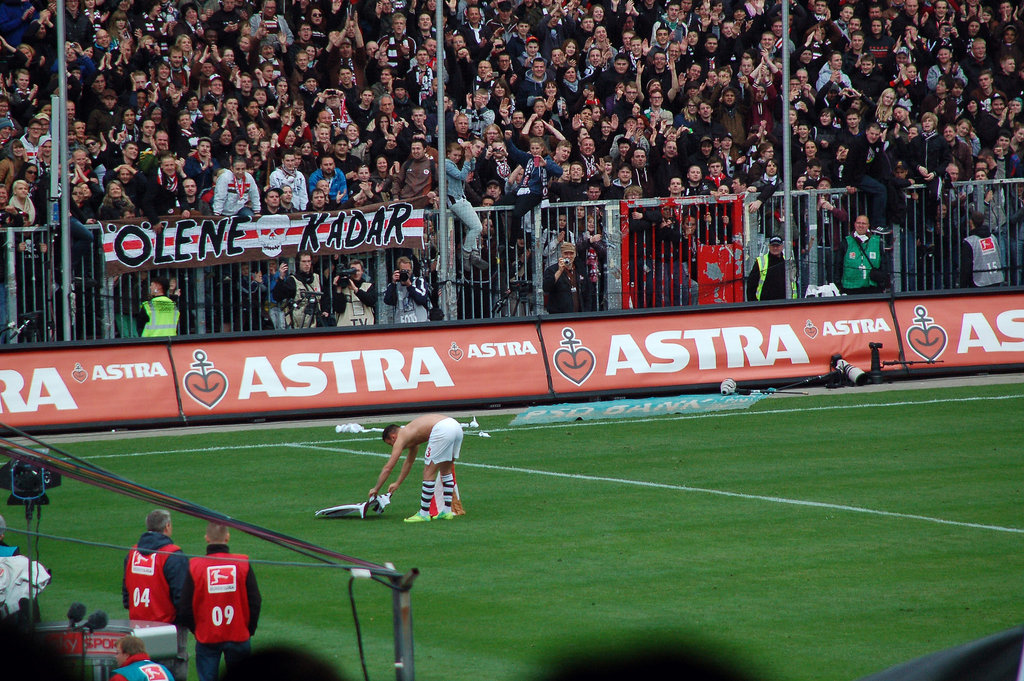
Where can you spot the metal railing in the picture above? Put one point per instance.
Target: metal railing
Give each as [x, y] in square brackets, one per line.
[924, 248]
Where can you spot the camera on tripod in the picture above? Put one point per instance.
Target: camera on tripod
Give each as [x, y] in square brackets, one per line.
[307, 301]
[521, 287]
[27, 483]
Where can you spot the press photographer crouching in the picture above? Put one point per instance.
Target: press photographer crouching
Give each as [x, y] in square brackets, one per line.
[353, 298]
[300, 293]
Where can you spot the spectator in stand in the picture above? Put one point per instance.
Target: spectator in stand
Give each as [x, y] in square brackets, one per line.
[532, 187]
[416, 180]
[164, 193]
[288, 174]
[235, 192]
[192, 203]
[337, 188]
[564, 283]
[201, 165]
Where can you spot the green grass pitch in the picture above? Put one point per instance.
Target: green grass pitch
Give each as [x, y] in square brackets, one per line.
[822, 537]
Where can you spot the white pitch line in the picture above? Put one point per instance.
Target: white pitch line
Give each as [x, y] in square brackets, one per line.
[318, 445]
[702, 490]
[595, 422]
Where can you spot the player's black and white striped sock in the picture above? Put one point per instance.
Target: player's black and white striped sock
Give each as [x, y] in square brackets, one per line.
[448, 489]
[425, 496]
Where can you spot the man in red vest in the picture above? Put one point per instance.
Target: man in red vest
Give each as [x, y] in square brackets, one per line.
[220, 604]
[154, 573]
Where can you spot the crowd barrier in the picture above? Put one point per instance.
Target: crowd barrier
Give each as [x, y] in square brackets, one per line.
[924, 248]
[239, 377]
[223, 293]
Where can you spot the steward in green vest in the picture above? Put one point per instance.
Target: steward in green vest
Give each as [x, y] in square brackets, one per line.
[158, 316]
[861, 254]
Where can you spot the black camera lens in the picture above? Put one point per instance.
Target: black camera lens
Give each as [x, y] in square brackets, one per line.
[403, 276]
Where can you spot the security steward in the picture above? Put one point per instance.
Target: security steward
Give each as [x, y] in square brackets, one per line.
[159, 315]
[979, 256]
[767, 280]
[862, 268]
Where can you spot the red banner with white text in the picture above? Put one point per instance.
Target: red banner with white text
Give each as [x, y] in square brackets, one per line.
[232, 378]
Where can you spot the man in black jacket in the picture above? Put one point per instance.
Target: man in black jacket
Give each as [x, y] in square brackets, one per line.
[164, 190]
[564, 283]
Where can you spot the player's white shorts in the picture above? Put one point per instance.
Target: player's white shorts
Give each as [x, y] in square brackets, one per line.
[445, 442]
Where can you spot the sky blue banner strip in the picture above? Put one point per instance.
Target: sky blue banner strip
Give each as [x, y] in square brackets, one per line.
[623, 409]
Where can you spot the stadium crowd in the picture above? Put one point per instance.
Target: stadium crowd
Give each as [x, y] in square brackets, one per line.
[231, 108]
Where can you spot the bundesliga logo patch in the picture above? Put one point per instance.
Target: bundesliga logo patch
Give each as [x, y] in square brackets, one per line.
[221, 579]
[143, 565]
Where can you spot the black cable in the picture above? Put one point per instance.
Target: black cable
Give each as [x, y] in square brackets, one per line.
[359, 632]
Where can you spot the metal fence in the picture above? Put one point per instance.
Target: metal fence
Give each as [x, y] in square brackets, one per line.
[924, 246]
[924, 249]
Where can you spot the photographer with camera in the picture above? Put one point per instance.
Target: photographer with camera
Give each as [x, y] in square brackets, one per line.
[564, 284]
[409, 295]
[353, 299]
[861, 259]
[301, 292]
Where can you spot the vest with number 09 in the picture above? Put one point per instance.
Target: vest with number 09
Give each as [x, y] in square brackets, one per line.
[220, 601]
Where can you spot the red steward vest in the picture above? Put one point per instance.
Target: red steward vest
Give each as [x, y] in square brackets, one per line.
[149, 597]
[220, 601]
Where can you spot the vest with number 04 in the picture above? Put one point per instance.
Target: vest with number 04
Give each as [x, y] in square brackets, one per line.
[220, 602]
[149, 597]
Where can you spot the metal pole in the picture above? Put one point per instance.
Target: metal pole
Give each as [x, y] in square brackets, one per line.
[787, 154]
[59, 166]
[404, 667]
[444, 232]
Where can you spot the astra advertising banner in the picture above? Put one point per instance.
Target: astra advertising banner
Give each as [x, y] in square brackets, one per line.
[353, 369]
[198, 242]
[712, 344]
[538, 359]
[81, 385]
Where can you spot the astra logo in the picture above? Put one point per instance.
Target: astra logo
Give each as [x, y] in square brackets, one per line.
[672, 350]
[845, 327]
[506, 349]
[113, 372]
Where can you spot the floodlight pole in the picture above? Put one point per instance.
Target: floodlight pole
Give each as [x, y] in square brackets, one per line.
[787, 153]
[59, 168]
[405, 670]
[444, 235]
